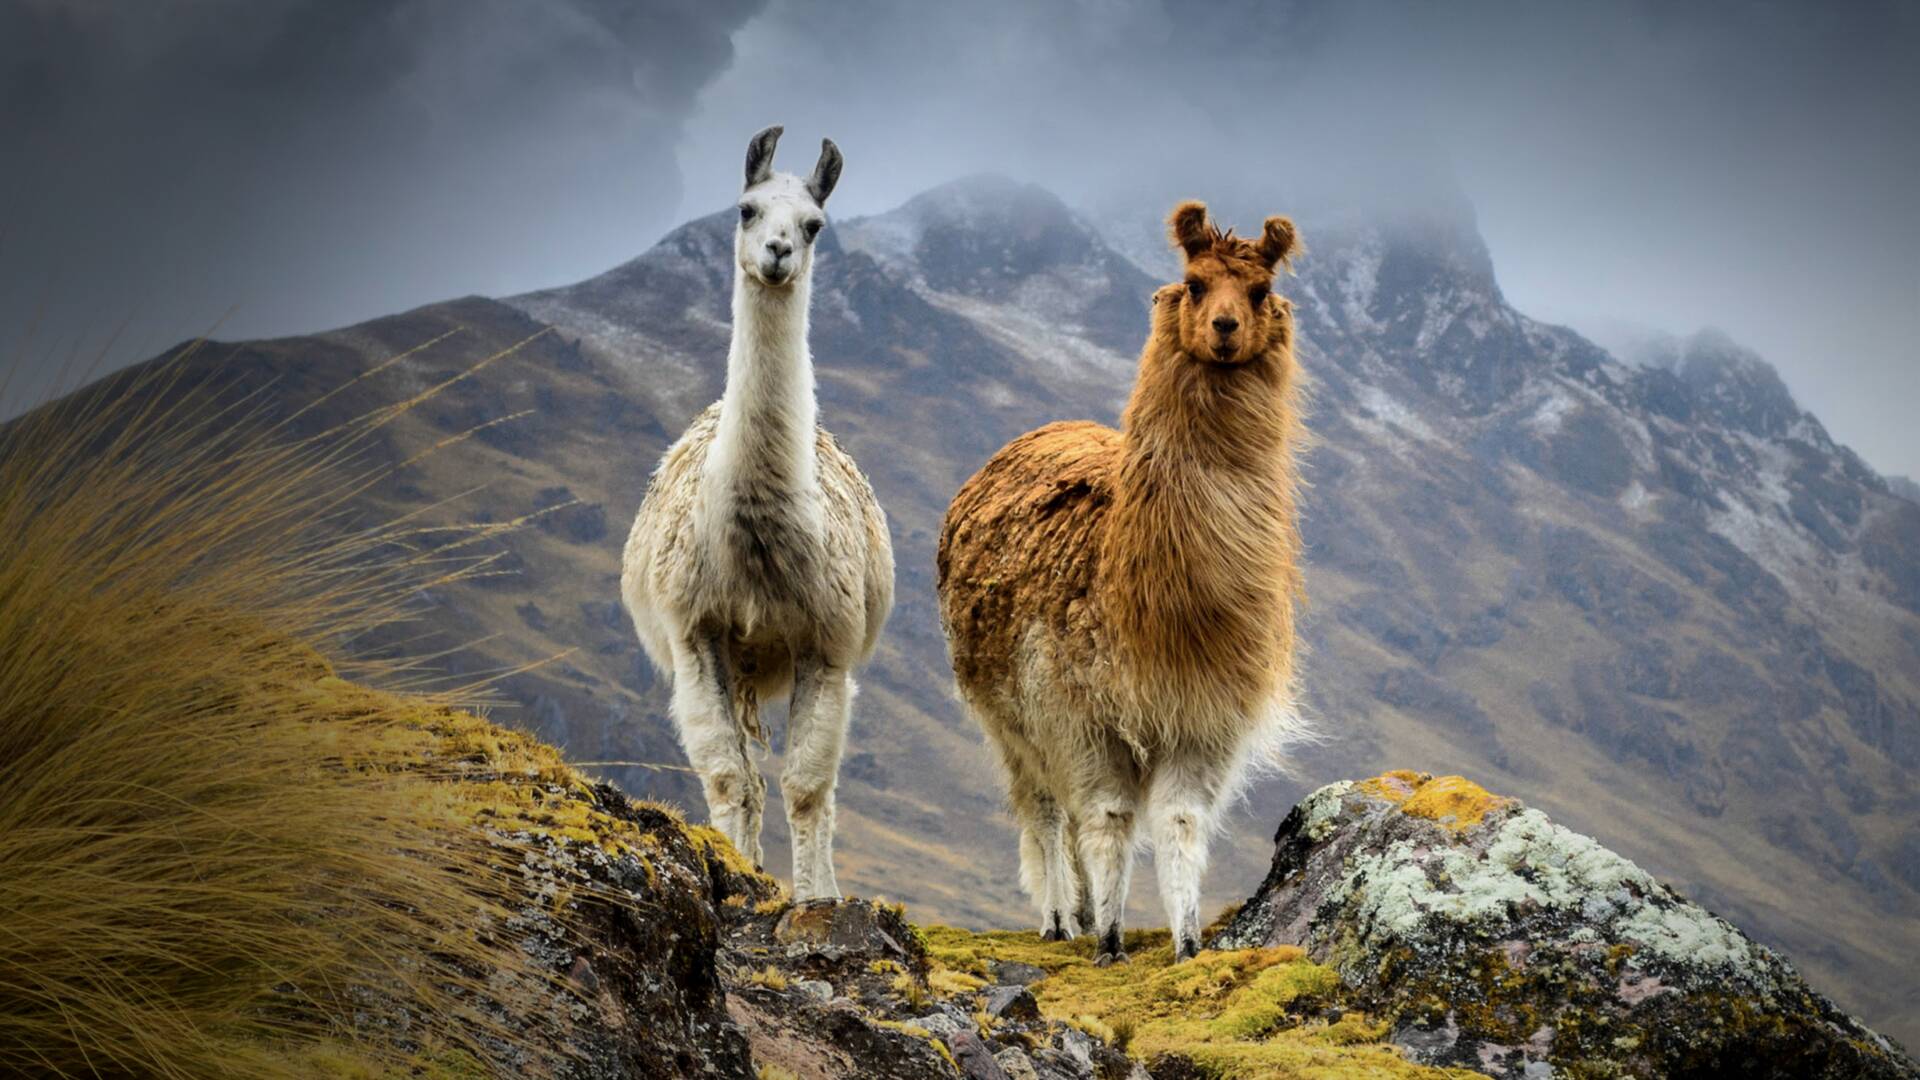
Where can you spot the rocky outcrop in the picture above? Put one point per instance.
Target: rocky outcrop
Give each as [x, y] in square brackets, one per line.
[667, 955]
[1410, 927]
[1491, 938]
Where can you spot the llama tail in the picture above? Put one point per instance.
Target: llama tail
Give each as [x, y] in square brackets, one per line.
[746, 712]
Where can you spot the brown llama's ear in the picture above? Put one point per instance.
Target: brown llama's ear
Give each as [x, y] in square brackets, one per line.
[1189, 229]
[760, 155]
[1279, 242]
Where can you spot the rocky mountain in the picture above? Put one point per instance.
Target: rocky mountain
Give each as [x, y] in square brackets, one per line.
[1654, 599]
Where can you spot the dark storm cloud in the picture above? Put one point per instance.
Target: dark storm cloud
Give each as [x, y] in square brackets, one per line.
[1743, 163]
[312, 162]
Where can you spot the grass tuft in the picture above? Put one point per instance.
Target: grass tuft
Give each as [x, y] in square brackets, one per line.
[201, 872]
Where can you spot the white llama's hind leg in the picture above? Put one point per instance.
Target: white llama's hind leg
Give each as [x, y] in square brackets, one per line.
[715, 742]
[817, 732]
[1181, 804]
[1104, 809]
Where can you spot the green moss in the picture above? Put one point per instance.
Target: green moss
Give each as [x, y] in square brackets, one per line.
[1237, 1015]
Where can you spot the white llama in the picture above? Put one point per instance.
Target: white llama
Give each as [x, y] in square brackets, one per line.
[759, 563]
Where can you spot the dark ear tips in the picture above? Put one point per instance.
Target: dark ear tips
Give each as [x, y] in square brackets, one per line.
[1187, 227]
[760, 154]
[826, 172]
[1279, 241]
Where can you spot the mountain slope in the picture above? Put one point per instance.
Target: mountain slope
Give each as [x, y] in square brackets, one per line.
[1655, 600]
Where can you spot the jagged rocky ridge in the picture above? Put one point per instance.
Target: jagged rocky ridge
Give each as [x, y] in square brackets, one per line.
[1649, 596]
[1408, 927]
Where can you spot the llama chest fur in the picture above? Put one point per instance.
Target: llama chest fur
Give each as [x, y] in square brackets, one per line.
[744, 554]
[1047, 616]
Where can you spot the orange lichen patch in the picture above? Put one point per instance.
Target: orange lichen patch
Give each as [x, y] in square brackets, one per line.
[1395, 786]
[1453, 801]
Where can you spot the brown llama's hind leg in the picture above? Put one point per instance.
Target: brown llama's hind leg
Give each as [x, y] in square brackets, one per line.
[1105, 800]
[1046, 870]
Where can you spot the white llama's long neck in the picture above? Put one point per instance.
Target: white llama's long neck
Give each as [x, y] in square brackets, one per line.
[765, 439]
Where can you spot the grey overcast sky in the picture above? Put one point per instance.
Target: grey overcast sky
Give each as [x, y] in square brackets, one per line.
[307, 163]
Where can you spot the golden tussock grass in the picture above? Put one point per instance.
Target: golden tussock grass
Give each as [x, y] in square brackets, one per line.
[194, 878]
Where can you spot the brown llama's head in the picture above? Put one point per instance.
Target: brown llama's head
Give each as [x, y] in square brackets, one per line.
[1225, 312]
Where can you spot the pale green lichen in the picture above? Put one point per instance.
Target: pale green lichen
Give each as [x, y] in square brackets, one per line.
[1531, 863]
[1687, 934]
[1323, 807]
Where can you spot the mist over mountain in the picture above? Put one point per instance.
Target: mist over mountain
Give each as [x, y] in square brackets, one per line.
[1646, 593]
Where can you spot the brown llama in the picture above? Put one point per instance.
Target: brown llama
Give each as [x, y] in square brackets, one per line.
[1120, 604]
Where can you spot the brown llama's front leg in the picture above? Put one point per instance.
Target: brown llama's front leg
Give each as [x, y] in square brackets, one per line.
[1104, 806]
[817, 733]
[1183, 798]
[716, 743]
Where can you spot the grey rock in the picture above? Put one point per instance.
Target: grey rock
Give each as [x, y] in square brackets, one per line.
[1016, 1064]
[1491, 938]
[1014, 973]
[976, 1061]
[1011, 1003]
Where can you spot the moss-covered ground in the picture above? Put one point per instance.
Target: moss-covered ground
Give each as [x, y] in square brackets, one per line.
[1246, 1014]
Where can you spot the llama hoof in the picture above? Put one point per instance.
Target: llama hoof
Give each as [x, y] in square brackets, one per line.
[1108, 959]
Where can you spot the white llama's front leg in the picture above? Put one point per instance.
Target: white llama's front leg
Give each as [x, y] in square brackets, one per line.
[1104, 816]
[1181, 805]
[817, 732]
[715, 742]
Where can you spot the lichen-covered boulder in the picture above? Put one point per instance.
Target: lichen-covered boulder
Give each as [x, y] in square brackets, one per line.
[1494, 939]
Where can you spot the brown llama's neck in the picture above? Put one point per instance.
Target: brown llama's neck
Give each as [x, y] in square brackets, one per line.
[1201, 556]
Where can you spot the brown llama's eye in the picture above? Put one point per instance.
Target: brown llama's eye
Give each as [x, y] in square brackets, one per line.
[1196, 289]
[1258, 294]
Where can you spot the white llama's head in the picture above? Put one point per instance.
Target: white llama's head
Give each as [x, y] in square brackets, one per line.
[781, 214]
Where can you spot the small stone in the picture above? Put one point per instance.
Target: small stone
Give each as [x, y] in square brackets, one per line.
[1016, 1064]
[1012, 1003]
[975, 1060]
[850, 925]
[1014, 973]
[582, 975]
[818, 989]
[938, 1024]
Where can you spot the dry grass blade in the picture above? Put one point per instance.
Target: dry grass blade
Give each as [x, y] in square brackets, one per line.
[196, 878]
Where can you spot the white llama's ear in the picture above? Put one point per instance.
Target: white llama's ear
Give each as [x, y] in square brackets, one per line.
[826, 172]
[760, 155]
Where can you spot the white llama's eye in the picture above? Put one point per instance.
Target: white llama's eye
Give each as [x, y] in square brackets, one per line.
[813, 228]
[746, 213]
